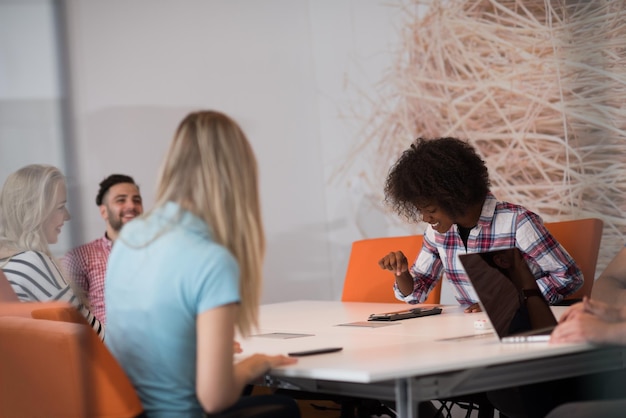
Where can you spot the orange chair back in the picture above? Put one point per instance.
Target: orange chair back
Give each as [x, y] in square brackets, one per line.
[6, 291]
[34, 356]
[581, 238]
[49, 353]
[365, 281]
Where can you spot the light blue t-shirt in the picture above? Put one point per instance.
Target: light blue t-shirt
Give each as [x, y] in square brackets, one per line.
[163, 272]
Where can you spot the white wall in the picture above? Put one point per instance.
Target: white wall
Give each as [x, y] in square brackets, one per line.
[31, 128]
[302, 77]
[285, 69]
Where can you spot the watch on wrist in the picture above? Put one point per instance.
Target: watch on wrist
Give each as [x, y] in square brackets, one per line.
[531, 292]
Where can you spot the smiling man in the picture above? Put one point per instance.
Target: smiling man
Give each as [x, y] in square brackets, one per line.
[445, 183]
[119, 201]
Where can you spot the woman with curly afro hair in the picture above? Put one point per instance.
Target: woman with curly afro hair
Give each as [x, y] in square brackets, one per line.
[445, 183]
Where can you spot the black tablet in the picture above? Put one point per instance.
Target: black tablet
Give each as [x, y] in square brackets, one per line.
[411, 313]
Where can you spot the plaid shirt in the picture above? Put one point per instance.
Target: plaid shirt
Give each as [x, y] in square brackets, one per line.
[501, 225]
[86, 265]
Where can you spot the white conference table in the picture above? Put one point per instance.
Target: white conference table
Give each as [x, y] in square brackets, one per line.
[410, 360]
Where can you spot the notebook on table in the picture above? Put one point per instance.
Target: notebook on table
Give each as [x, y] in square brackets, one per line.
[503, 303]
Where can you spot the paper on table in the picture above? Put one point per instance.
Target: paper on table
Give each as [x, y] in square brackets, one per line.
[282, 335]
[366, 324]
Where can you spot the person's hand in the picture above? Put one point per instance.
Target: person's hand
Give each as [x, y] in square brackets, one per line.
[258, 364]
[582, 327]
[572, 312]
[264, 362]
[395, 262]
[281, 360]
[237, 348]
[603, 310]
[474, 307]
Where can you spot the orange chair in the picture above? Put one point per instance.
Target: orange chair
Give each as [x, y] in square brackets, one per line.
[365, 281]
[53, 364]
[6, 291]
[581, 238]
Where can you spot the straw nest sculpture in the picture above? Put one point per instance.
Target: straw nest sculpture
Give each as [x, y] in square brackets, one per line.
[538, 87]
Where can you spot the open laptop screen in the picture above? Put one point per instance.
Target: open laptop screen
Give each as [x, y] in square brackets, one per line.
[500, 298]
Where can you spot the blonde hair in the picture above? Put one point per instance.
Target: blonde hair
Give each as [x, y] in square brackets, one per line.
[27, 199]
[211, 171]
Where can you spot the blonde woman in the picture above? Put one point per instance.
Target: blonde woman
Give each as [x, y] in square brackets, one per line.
[32, 213]
[188, 273]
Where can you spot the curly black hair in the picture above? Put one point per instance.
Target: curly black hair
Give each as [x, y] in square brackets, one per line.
[111, 181]
[446, 172]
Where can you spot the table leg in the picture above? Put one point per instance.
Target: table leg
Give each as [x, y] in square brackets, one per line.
[405, 406]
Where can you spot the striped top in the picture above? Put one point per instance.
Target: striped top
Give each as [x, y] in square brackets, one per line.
[501, 225]
[35, 277]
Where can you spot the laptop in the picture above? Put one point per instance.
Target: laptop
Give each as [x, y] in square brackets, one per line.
[512, 319]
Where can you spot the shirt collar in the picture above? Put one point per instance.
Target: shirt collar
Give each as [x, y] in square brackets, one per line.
[172, 213]
[106, 241]
[488, 211]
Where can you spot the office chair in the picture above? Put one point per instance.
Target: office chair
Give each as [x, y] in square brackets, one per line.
[58, 367]
[6, 291]
[365, 281]
[581, 238]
